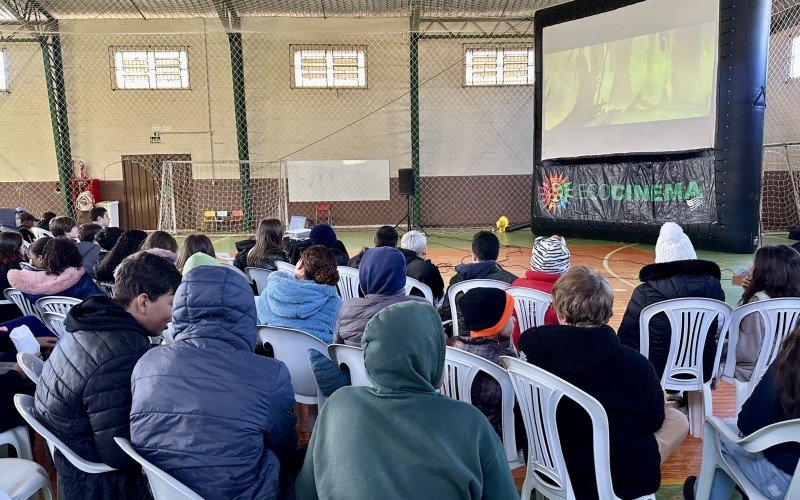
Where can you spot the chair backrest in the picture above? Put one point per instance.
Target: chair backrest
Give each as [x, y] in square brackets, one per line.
[209, 214]
[237, 214]
[284, 267]
[690, 320]
[240, 272]
[39, 232]
[24, 404]
[162, 485]
[258, 276]
[56, 303]
[412, 283]
[539, 393]
[21, 301]
[530, 305]
[460, 370]
[353, 358]
[348, 282]
[463, 286]
[31, 365]
[55, 322]
[291, 347]
[108, 288]
[780, 316]
[222, 213]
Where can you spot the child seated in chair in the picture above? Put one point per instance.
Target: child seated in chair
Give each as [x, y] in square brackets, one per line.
[585, 351]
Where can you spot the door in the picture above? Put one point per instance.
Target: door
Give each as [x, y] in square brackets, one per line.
[141, 176]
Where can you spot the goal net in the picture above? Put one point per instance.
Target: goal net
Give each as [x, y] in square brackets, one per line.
[216, 197]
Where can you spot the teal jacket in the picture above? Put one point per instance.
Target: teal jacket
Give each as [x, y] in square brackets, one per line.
[400, 439]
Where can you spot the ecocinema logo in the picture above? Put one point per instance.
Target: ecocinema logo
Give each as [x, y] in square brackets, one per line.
[557, 192]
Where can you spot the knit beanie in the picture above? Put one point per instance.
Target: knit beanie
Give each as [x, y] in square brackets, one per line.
[550, 255]
[382, 271]
[323, 234]
[673, 244]
[485, 310]
[197, 260]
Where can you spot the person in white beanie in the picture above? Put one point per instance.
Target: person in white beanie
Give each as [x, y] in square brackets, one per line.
[550, 259]
[677, 273]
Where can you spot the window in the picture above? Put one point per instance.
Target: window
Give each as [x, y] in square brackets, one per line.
[498, 66]
[794, 70]
[3, 71]
[329, 67]
[151, 69]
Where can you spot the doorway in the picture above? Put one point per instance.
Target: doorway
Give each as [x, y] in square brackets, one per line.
[141, 176]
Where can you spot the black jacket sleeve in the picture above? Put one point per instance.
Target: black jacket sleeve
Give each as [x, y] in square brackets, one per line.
[763, 407]
[628, 331]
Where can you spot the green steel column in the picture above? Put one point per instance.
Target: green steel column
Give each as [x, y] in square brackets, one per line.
[55, 97]
[240, 109]
[414, 93]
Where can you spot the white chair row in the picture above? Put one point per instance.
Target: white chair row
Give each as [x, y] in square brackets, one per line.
[52, 310]
[39, 232]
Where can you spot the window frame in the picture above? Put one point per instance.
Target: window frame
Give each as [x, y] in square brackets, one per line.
[500, 64]
[5, 89]
[294, 70]
[794, 58]
[117, 49]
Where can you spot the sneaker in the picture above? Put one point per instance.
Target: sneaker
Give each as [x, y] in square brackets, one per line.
[688, 487]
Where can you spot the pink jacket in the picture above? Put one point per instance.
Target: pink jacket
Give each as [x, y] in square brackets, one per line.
[72, 282]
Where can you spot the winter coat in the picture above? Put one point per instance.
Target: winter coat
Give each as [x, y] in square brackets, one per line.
[11, 382]
[295, 249]
[268, 260]
[485, 269]
[671, 280]
[84, 397]
[751, 336]
[357, 312]
[397, 439]
[165, 254]
[486, 394]
[625, 384]
[206, 409]
[72, 282]
[544, 283]
[12, 263]
[90, 252]
[300, 304]
[424, 271]
[761, 409]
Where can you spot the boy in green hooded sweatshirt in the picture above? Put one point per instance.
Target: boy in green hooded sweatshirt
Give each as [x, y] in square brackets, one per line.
[396, 439]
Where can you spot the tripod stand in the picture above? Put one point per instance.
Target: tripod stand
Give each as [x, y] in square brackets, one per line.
[407, 216]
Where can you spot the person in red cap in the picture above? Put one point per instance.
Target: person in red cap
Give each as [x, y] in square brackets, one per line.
[489, 316]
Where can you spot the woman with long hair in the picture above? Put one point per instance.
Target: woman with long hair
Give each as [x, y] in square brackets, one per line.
[10, 255]
[162, 244]
[267, 250]
[193, 244]
[775, 399]
[775, 274]
[127, 244]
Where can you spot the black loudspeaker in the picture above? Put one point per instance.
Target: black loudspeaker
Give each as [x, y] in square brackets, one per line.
[405, 181]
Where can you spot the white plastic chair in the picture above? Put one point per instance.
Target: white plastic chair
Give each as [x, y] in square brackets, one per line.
[56, 303]
[258, 276]
[284, 267]
[460, 370]
[539, 393]
[31, 365]
[240, 272]
[21, 301]
[291, 347]
[106, 287]
[39, 232]
[464, 286]
[412, 283]
[54, 322]
[24, 404]
[780, 316]
[348, 282]
[162, 485]
[353, 358]
[21, 479]
[716, 431]
[690, 320]
[19, 438]
[530, 305]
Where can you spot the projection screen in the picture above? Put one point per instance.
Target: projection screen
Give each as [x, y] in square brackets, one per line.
[639, 79]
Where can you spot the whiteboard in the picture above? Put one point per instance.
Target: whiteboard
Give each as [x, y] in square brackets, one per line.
[338, 180]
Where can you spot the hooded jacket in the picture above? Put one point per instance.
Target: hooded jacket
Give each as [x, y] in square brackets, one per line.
[624, 382]
[206, 409]
[485, 269]
[300, 304]
[84, 397]
[424, 455]
[544, 283]
[90, 252]
[72, 282]
[671, 280]
[424, 271]
[382, 277]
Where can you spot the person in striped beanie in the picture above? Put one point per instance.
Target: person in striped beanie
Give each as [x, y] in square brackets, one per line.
[550, 259]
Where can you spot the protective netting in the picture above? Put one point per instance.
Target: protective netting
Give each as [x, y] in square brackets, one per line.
[106, 95]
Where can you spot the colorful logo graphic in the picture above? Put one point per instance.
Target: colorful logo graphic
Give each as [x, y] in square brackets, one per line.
[556, 193]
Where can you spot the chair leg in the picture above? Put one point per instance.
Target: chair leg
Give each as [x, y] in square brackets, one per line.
[708, 465]
[741, 394]
[696, 412]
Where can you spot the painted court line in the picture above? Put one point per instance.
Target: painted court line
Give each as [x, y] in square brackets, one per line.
[608, 267]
